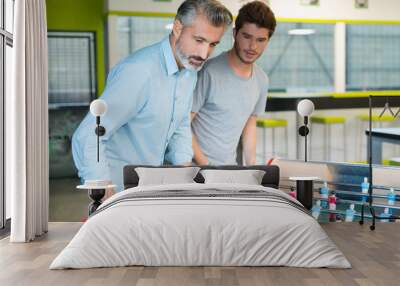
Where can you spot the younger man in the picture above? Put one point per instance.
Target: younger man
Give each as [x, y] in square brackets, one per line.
[231, 92]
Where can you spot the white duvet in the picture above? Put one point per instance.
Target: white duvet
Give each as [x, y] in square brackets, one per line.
[185, 230]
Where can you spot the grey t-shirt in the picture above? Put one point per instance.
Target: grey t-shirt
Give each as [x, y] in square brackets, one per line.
[224, 102]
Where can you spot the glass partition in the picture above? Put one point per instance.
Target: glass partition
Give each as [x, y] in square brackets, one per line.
[137, 32]
[72, 80]
[373, 64]
[373, 57]
[300, 63]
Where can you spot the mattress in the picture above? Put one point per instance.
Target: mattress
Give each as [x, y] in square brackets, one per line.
[201, 225]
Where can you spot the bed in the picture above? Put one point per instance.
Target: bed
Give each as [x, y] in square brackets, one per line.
[201, 224]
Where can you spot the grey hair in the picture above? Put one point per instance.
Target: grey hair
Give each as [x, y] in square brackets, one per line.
[217, 14]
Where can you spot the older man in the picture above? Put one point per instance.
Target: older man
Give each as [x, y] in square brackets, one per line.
[149, 98]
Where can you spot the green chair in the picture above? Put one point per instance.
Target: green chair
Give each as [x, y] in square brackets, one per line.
[394, 162]
[272, 123]
[327, 122]
[363, 125]
[376, 118]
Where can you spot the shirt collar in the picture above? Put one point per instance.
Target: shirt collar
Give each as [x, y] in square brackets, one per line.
[169, 59]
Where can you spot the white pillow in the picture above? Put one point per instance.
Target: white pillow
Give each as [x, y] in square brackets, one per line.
[163, 176]
[248, 177]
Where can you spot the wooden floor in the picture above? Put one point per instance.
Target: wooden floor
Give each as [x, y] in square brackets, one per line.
[375, 257]
[67, 203]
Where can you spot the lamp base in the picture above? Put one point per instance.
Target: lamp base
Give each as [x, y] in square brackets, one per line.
[305, 193]
[304, 190]
[96, 195]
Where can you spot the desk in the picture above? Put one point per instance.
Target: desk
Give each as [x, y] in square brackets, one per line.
[379, 136]
[96, 193]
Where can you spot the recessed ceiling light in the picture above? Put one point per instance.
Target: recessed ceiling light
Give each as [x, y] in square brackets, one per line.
[301, 32]
[361, 3]
[309, 2]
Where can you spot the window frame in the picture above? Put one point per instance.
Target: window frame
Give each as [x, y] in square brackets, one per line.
[91, 37]
[6, 39]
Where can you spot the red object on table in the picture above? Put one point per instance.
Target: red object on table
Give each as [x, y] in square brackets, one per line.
[332, 201]
[269, 162]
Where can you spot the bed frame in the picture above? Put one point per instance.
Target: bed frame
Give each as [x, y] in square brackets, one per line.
[270, 179]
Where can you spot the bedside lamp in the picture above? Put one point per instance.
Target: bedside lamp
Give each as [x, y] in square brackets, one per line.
[97, 188]
[98, 108]
[304, 185]
[305, 108]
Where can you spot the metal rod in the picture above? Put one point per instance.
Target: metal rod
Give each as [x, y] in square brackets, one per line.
[305, 147]
[98, 136]
[305, 137]
[370, 153]
[98, 141]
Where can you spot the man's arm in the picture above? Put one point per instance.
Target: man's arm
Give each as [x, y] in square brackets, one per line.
[199, 157]
[249, 133]
[200, 96]
[249, 141]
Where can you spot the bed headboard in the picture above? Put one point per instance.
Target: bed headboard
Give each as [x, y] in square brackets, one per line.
[270, 179]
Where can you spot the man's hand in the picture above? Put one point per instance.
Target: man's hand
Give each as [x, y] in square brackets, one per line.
[202, 162]
[109, 193]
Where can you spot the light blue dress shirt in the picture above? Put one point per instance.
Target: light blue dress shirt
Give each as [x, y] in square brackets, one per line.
[148, 118]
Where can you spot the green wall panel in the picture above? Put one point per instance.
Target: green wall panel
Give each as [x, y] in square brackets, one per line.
[81, 15]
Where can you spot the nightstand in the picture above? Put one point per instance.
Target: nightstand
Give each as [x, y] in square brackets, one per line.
[96, 193]
[304, 190]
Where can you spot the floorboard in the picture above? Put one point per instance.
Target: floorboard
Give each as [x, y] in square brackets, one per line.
[375, 257]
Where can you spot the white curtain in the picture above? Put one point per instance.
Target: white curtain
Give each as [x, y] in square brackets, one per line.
[27, 124]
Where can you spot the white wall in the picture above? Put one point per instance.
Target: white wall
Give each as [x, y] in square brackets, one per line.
[338, 9]
[328, 9]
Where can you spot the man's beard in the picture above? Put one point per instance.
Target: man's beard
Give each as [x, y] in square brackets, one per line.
[185, 60]
[237, 51]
